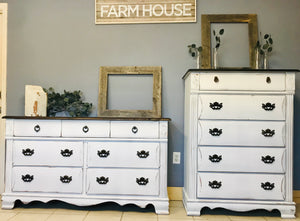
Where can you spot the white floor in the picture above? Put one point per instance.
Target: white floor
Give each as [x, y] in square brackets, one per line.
[177, 212]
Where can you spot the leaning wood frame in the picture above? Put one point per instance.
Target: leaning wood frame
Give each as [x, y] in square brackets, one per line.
[206, 21]
[130, 70]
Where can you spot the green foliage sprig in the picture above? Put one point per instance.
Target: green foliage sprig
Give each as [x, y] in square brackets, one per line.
[67, 101]
[267, 47]
[194, 50]
[217, 37]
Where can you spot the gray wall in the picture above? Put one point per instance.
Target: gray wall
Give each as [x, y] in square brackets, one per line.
[56, 43]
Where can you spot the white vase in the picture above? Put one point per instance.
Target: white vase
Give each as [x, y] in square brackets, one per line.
[257, 60]
[215, 58]
[62, 114]
[199, 60]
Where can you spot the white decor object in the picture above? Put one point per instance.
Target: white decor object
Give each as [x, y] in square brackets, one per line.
[239, 140]
[35, 101]
[87, 161]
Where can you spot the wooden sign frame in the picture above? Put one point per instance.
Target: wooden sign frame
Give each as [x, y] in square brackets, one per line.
[145, 11]
[129, 70]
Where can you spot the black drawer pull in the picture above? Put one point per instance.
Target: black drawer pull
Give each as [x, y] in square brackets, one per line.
[268, 133]
[142, 181]
[103, 153]
[134, 129]
[27, 178]
[66, 153]
[268, 106]
[28, 152]
[102, 180]
[85, 129]
[37, 128]
[216, 105]
[215, 158]
[66, 179]
[268, 159]
[267, 186]
[142, 154]
[215, 132]
[215, 184]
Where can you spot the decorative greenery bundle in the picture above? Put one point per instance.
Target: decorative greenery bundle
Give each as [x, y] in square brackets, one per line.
[70, 102]
[194, 50]
[218, 37]
[267, 47]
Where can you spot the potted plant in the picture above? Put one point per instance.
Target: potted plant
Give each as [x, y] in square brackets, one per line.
[217, 39]
[196, 52]
[67, 104]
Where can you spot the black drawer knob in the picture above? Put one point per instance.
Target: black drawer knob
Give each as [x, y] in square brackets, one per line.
[268, 106]
[102, 180]
[37, 128]
[268, 132]
[103, 153]
[268, 159]
[66, 153]
[142, 154]
[66, 179]
[28, 152]
[267, 186]
[134, 129]
[215, 158]
[27, 178]
[85, 129]
[215, 132]
[216, 105]
[215, 184]
[142, 181]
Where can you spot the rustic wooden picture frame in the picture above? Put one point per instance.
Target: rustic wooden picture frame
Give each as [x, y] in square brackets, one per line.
[105, 71]
[206, 21]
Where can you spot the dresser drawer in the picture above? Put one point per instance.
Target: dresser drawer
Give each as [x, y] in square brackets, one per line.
[123, 154]
[40, 179]
[82, 128]
[235, 159]
[253, 107]
[135, 129]
[241, 133]
[241, 186]
[123, 181]
[45, 128]
[47, 153]
[242, 82]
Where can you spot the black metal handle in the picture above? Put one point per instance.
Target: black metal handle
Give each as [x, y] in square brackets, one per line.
[142, 154]
[103, 153]
[215, 158]
[27, 178]
[102, 180]
[215, 132]
[85, 129]
[134, 129]
[66, 179]
[216, 105]
[66, 153]
[37, 128]
[28, 152]
[268, 132]
[267, 186]
[142, 181]
[268, 106]
[215, 184]
[268, 159]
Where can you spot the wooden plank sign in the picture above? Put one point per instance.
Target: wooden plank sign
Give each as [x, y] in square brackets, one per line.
[144, 11]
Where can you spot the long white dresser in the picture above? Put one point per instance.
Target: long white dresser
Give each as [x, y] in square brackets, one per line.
[87, 161]
[238, 140]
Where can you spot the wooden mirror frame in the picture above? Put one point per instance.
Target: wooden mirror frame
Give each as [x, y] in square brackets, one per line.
[206, 21]
[130, 70]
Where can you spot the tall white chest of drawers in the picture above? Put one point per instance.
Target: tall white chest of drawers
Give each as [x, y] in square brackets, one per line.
[87, 161]
[239, 140]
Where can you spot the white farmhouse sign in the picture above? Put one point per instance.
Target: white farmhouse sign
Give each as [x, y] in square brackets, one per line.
[144, 11]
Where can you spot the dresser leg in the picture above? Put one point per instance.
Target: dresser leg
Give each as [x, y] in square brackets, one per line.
[288, 213]
[7, 204]
[161, 208]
